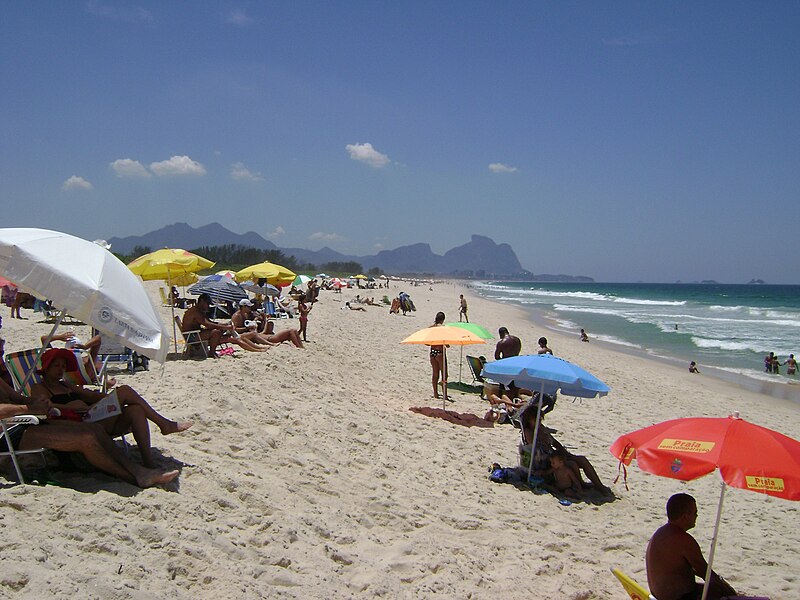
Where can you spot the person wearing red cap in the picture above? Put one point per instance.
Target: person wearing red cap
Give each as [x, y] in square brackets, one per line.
[136, 412]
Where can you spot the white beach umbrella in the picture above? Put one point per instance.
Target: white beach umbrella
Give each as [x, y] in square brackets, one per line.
[88, 282]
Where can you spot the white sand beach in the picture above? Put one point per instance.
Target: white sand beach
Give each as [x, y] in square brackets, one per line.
[306, 476]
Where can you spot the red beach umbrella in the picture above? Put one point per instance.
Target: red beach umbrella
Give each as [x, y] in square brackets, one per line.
[748, 456]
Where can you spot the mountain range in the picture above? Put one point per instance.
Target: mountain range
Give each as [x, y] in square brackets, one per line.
[481, 257]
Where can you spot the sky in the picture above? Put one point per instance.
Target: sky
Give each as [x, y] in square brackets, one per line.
[626, 141]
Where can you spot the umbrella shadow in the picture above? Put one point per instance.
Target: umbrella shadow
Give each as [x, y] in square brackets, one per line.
[463, 419]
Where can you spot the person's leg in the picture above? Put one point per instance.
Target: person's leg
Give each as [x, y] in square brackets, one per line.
[583, 463]
[97, 447]
[435, 375]
[245, 343]
[133, 420]
[443, 367]
[129, 397]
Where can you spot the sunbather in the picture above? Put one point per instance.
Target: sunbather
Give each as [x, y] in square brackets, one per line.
[136, 412]
[245, 315]
[92, 346]
[88, 439]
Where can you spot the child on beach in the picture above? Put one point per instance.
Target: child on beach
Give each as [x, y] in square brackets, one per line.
[303, 309]
[693, 367]
[565, 481]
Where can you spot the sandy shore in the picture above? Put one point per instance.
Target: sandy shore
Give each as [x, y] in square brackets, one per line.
[306, 475]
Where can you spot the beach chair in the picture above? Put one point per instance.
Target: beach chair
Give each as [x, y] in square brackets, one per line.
[165, 301]
[19, 364]
[12, 429]
[191, 339]
[114, 352]
[633, 589]
[475, 366]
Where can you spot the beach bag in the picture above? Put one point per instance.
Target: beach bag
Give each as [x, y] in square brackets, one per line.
[140, 362]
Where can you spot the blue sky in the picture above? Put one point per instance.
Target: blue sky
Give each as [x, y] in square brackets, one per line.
[626, 141]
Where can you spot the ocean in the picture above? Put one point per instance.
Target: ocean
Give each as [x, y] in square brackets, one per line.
[729, 328]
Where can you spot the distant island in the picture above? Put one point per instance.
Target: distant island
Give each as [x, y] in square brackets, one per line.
[480, 258]
[756, 282]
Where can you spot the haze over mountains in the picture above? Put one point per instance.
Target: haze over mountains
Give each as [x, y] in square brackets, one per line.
[481, 257]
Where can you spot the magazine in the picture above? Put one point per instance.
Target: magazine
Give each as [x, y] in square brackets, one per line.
[103, 409]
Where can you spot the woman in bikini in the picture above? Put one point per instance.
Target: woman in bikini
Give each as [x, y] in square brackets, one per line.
[303, 309]
[438, 362]
[136, 412]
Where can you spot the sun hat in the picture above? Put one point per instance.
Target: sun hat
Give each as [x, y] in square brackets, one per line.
[245, 302]
[53, 353]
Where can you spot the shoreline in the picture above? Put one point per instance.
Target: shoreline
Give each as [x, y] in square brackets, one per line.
[309, 475]
[787, 391]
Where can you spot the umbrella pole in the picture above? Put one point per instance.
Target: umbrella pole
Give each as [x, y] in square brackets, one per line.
[707, 583]
[460, 362]
[444, 377]
[536, 432]
[172, 308]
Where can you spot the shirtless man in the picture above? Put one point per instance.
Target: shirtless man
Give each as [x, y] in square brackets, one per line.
[214, 333]
[462, 308]
[90, 439]
[509, 345]
[674, 557]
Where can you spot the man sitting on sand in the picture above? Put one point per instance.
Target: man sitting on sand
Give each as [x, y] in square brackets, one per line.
[214, 333]
[674, 557]
[509, 345]
[88, 439]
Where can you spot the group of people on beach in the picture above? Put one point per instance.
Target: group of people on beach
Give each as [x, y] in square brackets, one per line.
[772, 364]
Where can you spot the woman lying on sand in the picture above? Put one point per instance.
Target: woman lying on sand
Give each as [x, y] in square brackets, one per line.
[136, 412]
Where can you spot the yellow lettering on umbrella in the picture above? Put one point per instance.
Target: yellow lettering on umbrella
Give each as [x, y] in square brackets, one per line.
[693, 446]
[765, 484]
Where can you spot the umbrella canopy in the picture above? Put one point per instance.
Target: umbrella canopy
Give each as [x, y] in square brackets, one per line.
[360, 276]
[321, 275]
[547, 373]
[439, 336]
[6, 283]
[301, 280]
[167, 263]
[478, 330]
[748, 456]
[264, 290]
[87, 281]
[227, 273]
[184, 279]
[220, 288]
[274, 274]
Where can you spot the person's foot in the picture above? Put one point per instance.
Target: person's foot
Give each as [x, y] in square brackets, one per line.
[176, 427]
[150, 477]
[606, 491]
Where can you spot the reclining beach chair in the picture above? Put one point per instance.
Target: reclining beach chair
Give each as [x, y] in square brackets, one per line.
[20, 364]
[633, 589]
[12, 429]
[476, 366]
[164, 300]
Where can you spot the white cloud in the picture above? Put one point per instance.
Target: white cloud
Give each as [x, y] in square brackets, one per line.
[129, 14]
[76, 183]
[501, 168]
[178, 166]
[238, 17]
[367, 154]
[241, 173]
[127, 168]
[378, 246]
[279, 231]
[326, 237]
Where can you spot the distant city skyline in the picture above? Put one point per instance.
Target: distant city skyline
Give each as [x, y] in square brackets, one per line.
[626, 142]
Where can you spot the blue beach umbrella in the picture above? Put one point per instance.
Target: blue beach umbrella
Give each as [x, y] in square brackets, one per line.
[220, 288]
[548, 374]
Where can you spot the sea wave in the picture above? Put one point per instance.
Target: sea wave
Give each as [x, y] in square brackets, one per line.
[615, 340]
[623, 300]
[753, 345]
[586, 295]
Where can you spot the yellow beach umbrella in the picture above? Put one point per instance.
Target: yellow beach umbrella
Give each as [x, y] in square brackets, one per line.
[166, 264]
[185, 279]
[274, 274]
[360, 276]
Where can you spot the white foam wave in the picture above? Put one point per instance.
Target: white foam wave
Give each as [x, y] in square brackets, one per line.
[614, 340]
[725, 344]
[623, 300]
[585, 295]
[719, 308]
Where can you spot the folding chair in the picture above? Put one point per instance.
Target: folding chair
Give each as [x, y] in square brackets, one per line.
[476, 366]
[191, 338]
[114, 352]
[20, 364]
[12, 429]
[164, 300]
